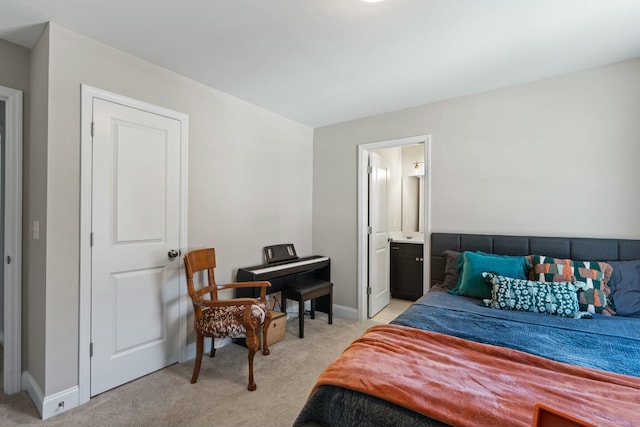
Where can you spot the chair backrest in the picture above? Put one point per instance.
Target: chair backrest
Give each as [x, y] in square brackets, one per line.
[194, 262]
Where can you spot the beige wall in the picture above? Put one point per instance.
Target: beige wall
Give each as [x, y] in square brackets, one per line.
[14, 66]
[15, 69]
[557, 157]
[250, 177]
[34, 209]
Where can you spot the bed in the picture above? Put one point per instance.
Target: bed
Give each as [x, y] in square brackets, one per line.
[451, 360]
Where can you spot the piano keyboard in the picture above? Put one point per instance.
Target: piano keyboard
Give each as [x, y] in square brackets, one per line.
[288, 265]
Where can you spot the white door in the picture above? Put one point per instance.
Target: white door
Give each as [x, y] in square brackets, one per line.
[135, 225]
[379, 293]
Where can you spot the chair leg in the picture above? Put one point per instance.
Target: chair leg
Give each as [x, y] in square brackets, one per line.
[301, 318]
[265, 332]
[199, 350]
[213, 348]
[252, 345]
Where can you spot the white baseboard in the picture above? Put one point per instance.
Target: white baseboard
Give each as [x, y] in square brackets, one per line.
[32, 388]
[48, 406]
[60, 402]
[345, 312]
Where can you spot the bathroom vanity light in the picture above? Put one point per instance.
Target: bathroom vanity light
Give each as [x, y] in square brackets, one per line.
[418, 168]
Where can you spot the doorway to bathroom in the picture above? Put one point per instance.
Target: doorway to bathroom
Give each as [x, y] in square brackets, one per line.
[393, 203]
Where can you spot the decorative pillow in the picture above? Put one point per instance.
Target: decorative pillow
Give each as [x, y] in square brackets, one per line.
[472, 264]
[451, 273]
[594, 274]
[625, 287]
[559, 298]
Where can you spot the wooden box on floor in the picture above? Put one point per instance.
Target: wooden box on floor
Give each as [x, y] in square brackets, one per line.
[277, 328]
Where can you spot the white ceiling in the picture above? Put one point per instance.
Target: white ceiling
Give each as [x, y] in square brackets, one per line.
[325, 61]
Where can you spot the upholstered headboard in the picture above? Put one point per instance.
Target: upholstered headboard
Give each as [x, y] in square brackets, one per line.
[579, 249]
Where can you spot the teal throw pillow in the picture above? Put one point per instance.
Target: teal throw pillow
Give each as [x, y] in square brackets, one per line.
[473, 264]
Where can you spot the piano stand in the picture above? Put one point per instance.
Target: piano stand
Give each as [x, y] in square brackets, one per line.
[300, 279]
[309, 290]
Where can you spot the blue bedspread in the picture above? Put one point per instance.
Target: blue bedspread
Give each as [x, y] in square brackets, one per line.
[604, 342]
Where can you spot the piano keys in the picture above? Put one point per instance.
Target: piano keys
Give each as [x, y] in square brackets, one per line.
[282, 268]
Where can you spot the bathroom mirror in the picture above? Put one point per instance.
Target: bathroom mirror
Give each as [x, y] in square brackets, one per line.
[411, 203]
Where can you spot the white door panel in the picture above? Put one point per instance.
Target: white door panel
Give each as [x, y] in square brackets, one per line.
[379, 293]
[140, 149]
[135, 223]
[137, 286]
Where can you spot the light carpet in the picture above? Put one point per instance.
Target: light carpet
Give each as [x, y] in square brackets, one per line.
[220, 397]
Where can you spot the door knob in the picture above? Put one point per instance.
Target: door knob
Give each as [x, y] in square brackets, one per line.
[173, 253]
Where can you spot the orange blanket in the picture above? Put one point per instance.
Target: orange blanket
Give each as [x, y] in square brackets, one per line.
[464, 383]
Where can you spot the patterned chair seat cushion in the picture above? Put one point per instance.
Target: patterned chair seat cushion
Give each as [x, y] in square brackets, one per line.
[222, 322]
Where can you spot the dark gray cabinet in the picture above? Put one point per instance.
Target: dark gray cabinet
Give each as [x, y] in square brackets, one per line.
[406, 274]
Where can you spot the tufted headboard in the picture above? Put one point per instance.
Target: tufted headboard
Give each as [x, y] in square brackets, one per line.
[580, 249]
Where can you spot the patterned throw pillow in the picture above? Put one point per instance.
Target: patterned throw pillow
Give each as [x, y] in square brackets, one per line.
[559, 298]
[593, 273]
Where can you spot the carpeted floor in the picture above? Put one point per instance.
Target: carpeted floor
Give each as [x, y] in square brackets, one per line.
[220, 397]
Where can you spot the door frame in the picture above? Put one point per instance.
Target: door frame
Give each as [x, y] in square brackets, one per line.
[86, 171]
[12, 167]
[363, 200]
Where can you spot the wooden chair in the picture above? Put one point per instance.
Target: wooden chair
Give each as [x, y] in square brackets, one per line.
[233, 318]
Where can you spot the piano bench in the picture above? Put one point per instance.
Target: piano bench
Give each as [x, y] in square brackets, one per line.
[308, 290]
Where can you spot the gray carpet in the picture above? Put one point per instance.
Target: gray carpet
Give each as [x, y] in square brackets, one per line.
[220, 397]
